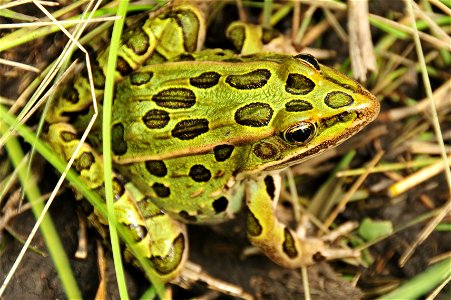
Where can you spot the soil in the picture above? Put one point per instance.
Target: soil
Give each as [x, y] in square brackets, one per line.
[218, 250]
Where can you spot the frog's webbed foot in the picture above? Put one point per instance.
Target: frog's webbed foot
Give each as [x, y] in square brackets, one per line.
[193, 273]
[281, 244]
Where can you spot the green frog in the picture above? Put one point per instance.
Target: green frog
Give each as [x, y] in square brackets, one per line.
[200, 134]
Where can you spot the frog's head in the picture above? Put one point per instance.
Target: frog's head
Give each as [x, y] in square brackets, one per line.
[328, 109]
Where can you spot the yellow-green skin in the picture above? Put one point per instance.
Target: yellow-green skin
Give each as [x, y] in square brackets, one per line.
[199, 131]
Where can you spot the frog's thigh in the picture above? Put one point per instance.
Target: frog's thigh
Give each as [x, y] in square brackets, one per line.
[157, 237]
[162, 240]
[278, 242]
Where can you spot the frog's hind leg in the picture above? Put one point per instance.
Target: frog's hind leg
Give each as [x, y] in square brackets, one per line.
[278, 242]
[155, 236]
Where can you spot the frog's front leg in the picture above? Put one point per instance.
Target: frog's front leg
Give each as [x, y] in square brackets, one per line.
[278, 242]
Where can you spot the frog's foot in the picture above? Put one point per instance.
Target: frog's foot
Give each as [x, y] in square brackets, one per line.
[193, 273]
[281, 244]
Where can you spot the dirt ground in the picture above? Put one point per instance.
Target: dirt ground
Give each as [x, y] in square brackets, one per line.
[218, 249]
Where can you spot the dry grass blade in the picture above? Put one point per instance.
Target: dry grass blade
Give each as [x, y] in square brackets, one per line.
[360, 43]
[19, 65]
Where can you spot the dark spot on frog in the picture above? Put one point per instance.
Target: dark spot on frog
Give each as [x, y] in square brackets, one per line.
[298, 84]
[161, 190]
[70, 93]
[265, 151]
[84, 161]
[175, 98]
[252, 80]
[118, 145]
[220, 204]
[156, 119]
[205, 80]
[223, 152]
[298, 106]
[140, 78]
[68, 136]
[139, 232]
[253, 225]
[199, 173]
[187, 217]
[338, 99]
[156, 168]
[270, 186]
[123, 66]
[137, 40]
[118, 189]
[167, 264]
[289, 246]
[255, 114]
[190, 129]
[185, 57]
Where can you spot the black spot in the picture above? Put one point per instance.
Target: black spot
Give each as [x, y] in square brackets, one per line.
[98, 77]
[118, 144]
[71, 94]
[140, 78]
[289, 246]
[346, 116]
[205, 80]
[68, 136]
[298, 84]
[298, 105]
[189, 129]
[223, 152]
[137, 40]
[161, 190]
[189, 22]
[139, 232]
[199, 173]
[252, 80]
[156, 168]
[270, 186]
[236, 35]
[155, 58]
[156, 119]
[185, 57]
[254, 114]
[253, 226]
[266, 151]
[220, 204]
[310, 59]
[338, 99]
[176, 98]
[118, 189]
[167, 264]
[84, 161]
[187, 217]
[123, 67]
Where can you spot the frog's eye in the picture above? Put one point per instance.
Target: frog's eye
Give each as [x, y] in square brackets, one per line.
[300, 133]
[310, 59]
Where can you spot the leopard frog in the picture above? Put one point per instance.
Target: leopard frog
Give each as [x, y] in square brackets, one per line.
[198, 131]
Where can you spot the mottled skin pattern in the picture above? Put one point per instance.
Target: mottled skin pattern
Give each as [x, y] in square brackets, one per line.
[199, 131]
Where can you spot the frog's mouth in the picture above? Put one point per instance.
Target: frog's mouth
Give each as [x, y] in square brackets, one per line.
[361, 117]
